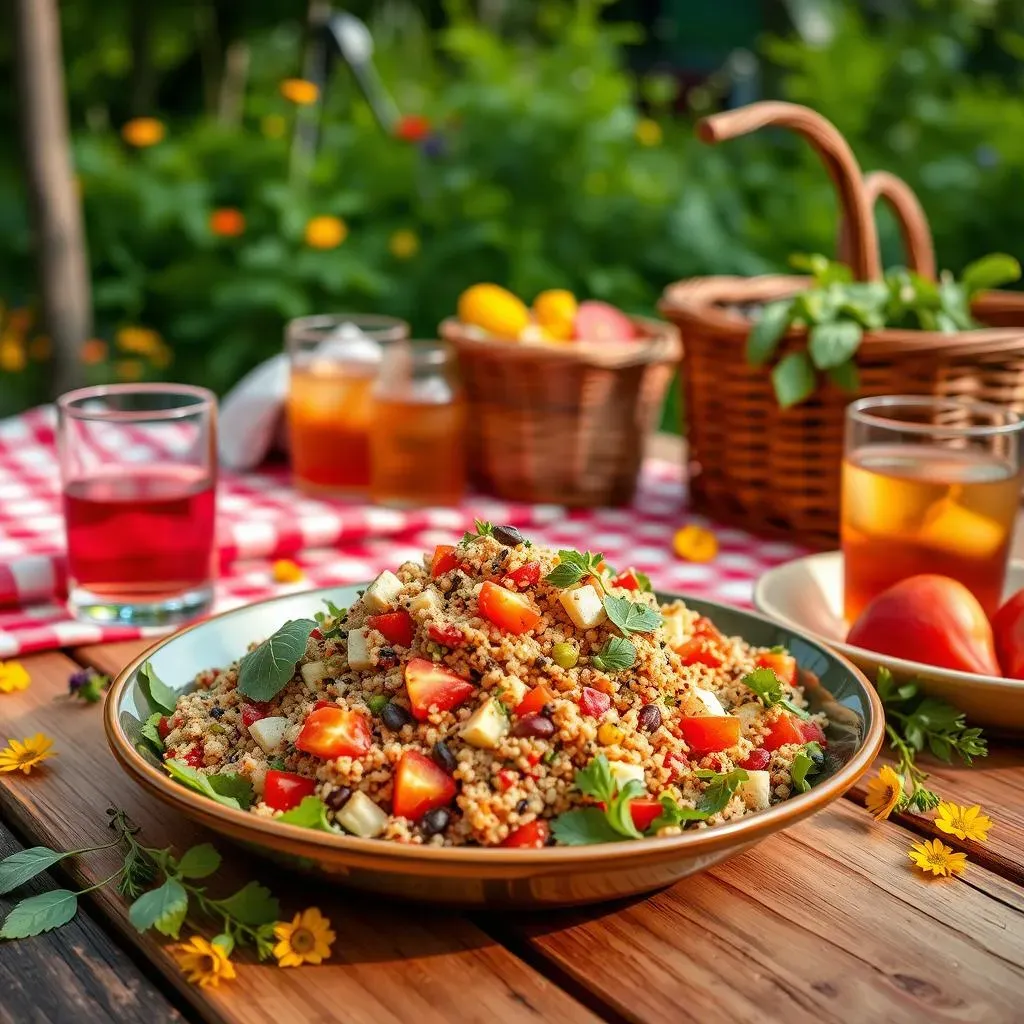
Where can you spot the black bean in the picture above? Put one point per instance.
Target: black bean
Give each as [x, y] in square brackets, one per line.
[507, 535]
[536, 726]
[649, 718]
[444, 757]
[548, 711]
[337, 798]
[434, 821]
[522, 806]
[394, 716]
[216, 712]
[387, 653]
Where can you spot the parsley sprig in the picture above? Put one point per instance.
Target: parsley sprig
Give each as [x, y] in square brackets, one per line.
[483, 529]
[573, 566]
[914, 722]
[768, 687]
[330, 622]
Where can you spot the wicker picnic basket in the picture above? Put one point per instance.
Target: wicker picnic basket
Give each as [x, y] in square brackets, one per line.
[562, 424]
[774, 470]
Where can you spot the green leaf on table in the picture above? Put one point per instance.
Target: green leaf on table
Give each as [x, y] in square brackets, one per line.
[832, 344]
[227, 788]
[39, 914]
[311, 813]
[572, 567]
[253, 905]
[989, 272]
[151, 732]
[767, 331]
[631, 616]
[199, 861]
[24, 865]
[793, 379]
[265, 671]
[617, 654]
[156, 691]
[163, 908]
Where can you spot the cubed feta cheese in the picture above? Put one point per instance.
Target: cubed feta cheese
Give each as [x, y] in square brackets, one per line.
[757, 790]
[313, 672]
[359, 659]
[426, 604]
[486, 726]
[513, 691]
[623, 772]
[675, 629]
[269, 732]
[749, 714]
[361, 816]
[583, 606]
[383, 592]
[712, 705]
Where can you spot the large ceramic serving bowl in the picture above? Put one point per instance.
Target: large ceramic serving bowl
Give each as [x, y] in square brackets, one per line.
[807, 595]
[470, 876]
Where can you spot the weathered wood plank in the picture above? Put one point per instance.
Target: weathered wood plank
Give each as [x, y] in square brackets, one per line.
[74, 973]
[389, 963]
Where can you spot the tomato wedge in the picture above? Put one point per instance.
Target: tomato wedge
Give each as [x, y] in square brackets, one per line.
[284, 790]
[627, 580]
[757, 760]
[525, 576]
[781, 663]
[252, 713]
[395, 627]
[335, 732]
[532, 836]
[508, 611]
[706, 734]
[420, 785]
[643, 812]
[705, 647]
[431, 685]
[534, 701]
[785, 729]
[447, 636]
[444, 560]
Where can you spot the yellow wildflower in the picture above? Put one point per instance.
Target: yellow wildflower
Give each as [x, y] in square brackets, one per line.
[13, 676]
[299, 91]
[141, 341]
[12, 354]
[648, 132]
[404, 244]
[884, 793]
[26, 754]
[273, 126]
[284, 570]
[934, 856]
[143, 131]
[129, 369]
[203, 962]
[307, 940]
[963, 822]
[326, 232]
[695, 544]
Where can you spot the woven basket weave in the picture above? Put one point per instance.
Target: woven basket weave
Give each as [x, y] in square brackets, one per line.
[774, 470]
[563, 424]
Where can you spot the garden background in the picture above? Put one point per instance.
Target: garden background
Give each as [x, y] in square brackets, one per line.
[535, 143]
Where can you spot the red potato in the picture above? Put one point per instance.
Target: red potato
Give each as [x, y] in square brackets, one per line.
[1008, 630]
[931, 619]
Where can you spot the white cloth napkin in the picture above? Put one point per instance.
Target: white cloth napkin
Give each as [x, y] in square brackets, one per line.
[252, 416]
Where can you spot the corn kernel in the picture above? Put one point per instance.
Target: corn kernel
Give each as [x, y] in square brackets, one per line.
[609, 735]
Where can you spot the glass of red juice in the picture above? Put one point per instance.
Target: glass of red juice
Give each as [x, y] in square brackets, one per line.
[139, 474]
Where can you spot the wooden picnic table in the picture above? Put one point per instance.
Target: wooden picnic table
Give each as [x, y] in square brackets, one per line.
[825, 922]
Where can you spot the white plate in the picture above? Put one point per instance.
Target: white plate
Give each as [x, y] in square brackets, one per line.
[807, 595]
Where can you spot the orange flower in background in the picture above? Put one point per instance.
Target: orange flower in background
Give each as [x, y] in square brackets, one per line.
[938, 858]
[326, 232]
[412, 127]
[404, 244]
[695, 544]
[129, 369]
[140, 341]
[205, 963]
[885, 792]
[143, 131]
[299, 91]
[306, 940]
[94, 351]
[12, 354]
[227, 222]
[40, 348]
[284, 570]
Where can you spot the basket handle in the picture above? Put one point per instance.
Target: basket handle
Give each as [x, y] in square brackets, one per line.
[837, 156]
[910, 216]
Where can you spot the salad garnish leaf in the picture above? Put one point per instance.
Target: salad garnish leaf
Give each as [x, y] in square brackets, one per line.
[768, 687]
[572, 567]
[151, 732]
[311, 813]
[483, 529]
[631, 616]
[156, 691]
[226, 788]
[613, 823]
[265, 671]
[807, 762]
[719, 791]
[616, 654]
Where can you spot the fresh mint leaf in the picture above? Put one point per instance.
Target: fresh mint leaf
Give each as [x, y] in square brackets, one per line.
[767, 331]
[24, 865]
[311, 813]
[199, 861]
[151, 732]
[334, 614]
[156, 691]
[720, 791]
[631, 616]
[483, 529]
[807, 762]
[617, 654]
[253, 905]
[572, 567]
[990, 272]
[583, 826]
[793, 379]
[835, 343]
[227, 788]
[596, 780]
[265, 671]
[163, 908]
[39, 914]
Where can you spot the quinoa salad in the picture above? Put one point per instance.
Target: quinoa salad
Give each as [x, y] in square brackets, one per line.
[496, 694]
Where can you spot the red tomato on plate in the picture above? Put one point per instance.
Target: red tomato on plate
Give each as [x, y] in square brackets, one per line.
[444, 560]
[525, 576]
[284, 790]
[781, 663]
[534, 701]
[447, 636]
[785, 729]
[508, 611]
[594, 702]
[420, 785]
[706, 734]
[1008, 627]
[335, 732]
[429, 684]
[395, 627]
[532, 836]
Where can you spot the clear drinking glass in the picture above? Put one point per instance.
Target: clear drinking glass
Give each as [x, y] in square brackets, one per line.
[418, 445]
[334, 362]
[930, 485]
[139, 472]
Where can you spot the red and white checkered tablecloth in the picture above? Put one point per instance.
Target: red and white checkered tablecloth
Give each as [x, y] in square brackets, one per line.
[262, 518]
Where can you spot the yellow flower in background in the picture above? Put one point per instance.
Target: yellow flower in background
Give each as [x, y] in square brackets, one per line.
[326, 232]
[648, 132]
[12, 354]
[299, 91]
[493, 309]
[404, 244]
[555, 311]
[284, 570]
[694, 543]
[13, 677]
[129, 369]
[963, 822]
[884, 793]
[143, 131]
[162, 357]
[140, 341]
[273, 126]
[94, 351]
[938, 858]
[27, 754]
[203, 962]
[307, 940]
[40, 348]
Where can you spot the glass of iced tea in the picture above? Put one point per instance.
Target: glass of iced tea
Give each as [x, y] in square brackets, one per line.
[930, 485]
[418, 446]
[334, 362]
[139, 473]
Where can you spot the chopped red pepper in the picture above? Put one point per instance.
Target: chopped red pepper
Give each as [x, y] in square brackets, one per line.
[534, 701]
[253, 713]
[396, 627]
[525, 576]
[785, 729]
[506, 779]
[284, 790]
[532, 836]
[444, 560]
[757, 760]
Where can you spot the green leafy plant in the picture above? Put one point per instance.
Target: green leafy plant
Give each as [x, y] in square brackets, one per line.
[481, 528]
[156, 691]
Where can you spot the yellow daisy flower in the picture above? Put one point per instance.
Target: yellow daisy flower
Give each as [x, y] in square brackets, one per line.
[13, 676]
[934, 856]
[695, 544]
[648, 132]
[884, 793]
[954, 819]
[307, 940]
[26, 754]
[299, 91]
[404, 244]
[203, 962]
[284, 570]
[143, 341]
[326, 232]
[143, 131]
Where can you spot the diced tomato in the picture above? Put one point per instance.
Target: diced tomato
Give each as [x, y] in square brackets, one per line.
[163, 727]
[315, 634]
[429, 684]
[532, 836]
[643, 812]
[335, 732]
[812, 733]
[533, 758]
[420, 785]
[705, 734]
[395, 627]
[194, 757]
[506, 779]
[785, 729]
[447, 636]
[525, 576]
[705, 647]
[444, 560]
[626, 579]
[594, 702]
[284, 790]
[781, 663]
[534, 701]
[510, 612]
[252, 713]
[757, 760]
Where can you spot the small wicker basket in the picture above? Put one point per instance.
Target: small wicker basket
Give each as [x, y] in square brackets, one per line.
[562, 424]
[774, 470]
